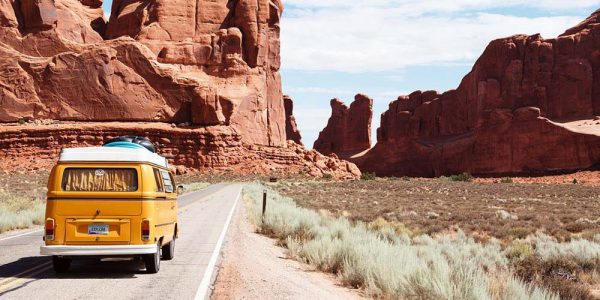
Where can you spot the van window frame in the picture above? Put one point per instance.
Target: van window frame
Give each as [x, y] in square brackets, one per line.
[170, 179]
[158, 181]
[66, 169]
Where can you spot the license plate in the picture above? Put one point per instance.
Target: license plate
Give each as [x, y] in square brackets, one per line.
[98, 229]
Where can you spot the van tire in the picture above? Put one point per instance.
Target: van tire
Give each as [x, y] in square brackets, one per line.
[168, 250]
[152, 261]
[61, 264]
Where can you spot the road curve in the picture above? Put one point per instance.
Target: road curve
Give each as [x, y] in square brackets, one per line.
[203, 219]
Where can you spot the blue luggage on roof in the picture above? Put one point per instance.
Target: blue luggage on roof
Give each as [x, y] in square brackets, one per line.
[131, 142]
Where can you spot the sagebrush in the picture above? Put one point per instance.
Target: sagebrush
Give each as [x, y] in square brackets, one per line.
[387, 262]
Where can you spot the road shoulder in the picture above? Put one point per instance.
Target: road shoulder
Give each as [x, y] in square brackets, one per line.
[253, 267]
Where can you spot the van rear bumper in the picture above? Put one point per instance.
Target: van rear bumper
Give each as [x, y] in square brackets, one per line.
[98, 250]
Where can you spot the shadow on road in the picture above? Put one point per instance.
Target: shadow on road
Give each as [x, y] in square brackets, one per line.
[87, 268]
[31, 269]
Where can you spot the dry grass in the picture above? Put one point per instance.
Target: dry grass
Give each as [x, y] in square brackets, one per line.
[501, 210]
[22, 200]
[549, 232]
[385, 260]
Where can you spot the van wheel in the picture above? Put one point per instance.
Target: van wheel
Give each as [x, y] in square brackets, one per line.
[168, 250]
[61, 264]
[152, 261]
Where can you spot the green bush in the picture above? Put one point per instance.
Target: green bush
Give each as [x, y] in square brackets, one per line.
[327, 176]
[368, 176]
[506, 180]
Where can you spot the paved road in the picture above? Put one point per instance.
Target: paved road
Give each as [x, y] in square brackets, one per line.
[203, 219]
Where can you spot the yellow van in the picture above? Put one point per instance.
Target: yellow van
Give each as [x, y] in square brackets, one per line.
[119, 200]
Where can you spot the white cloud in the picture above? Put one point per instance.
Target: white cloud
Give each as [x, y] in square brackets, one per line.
[379, 35]
[423, 6]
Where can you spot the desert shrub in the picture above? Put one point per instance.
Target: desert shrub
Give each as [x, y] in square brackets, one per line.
[18, 212]
[577, 227]
[327, 176]
[464, 177]
[368, 176]
[519, 251]
[432, 215]
[389, 229]
[506, 180]
[504, 215]
[583, 252]
[558, 275]
[517, 233]
[575, 181]
[386, 264]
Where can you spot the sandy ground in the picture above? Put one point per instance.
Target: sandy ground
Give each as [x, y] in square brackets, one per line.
[589, 126]
[253, 267]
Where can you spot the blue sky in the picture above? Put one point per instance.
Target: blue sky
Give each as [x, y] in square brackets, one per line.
[388, 48]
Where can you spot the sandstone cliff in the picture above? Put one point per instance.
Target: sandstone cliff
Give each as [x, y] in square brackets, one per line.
[196, 61]
[348, 130]
[528, 106]
[211, 66]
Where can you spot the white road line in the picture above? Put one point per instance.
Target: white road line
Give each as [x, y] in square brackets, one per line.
[206, 279]
[20, 235]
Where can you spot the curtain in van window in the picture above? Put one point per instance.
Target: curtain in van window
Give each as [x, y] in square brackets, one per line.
[99, 180]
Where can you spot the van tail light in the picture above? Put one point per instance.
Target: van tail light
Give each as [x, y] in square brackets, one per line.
[145, 230]
[50, 228]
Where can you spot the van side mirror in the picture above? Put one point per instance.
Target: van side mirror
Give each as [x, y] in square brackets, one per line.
[180, 189]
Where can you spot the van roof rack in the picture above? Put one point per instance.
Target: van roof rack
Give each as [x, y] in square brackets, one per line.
[112, 154]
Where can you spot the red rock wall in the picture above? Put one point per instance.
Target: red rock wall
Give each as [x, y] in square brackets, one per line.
[197, 61]
[34, 147]
[509, 115]
[348, 130]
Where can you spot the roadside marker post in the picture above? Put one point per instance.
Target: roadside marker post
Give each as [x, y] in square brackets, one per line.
[264, 207]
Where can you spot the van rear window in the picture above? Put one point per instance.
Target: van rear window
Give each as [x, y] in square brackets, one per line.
[100, 180]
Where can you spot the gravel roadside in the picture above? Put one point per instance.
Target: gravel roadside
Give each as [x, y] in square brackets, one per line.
[253, 267]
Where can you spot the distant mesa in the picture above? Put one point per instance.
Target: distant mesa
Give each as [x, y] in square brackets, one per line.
[291, 127]
[527, 106]
[348, 130]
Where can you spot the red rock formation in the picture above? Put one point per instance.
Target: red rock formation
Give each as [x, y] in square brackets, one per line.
[36, 146]
[520, 109]
[348, 130]
[211, 64]
[198, 61]
[291, 128]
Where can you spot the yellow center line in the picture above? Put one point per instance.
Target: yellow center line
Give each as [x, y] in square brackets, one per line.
[26, 271]
[19, 280]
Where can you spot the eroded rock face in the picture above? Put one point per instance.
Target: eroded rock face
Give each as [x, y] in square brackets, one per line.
[521, 109]
[36, 146]
[291, 127]
[348, 130]
[187, 61]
